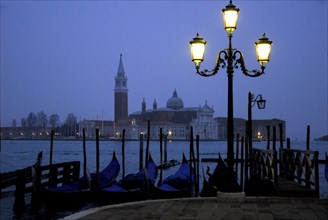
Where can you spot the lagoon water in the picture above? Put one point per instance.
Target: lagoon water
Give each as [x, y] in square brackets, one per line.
[17, 154]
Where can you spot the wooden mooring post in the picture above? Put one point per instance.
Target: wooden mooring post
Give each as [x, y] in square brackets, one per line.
[147, 144]
[51, 145]
[308, 137]
[191, 155]
[281, 140]
[274, 138]
[237, 154]
[281, 134]
[288, 143]
[197, 166]
[242, 164]
[161, 145]
[165, 148]
[161, 156]
[268, 137]
[123, 154]
[247, 164]
[84, 154]
[97, 158]
[141, 151]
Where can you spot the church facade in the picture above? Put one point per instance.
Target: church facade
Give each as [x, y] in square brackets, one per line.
[176, 120]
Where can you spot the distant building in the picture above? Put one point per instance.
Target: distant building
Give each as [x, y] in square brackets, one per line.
[89, 126]
[260, 128]
[176, 120]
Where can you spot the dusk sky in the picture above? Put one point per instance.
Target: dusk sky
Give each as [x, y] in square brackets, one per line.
[62, 57]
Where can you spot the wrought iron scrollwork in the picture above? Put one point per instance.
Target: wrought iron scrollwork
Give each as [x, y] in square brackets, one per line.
[222, 61]
[240, 61]
[219, 62]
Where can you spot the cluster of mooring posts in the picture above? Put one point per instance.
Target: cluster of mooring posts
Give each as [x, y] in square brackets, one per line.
[284, 172]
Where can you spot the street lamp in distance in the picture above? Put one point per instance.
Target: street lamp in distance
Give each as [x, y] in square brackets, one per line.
[261, 105]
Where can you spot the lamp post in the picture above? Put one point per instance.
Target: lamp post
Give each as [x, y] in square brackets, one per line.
[261, 105]
[230, 58]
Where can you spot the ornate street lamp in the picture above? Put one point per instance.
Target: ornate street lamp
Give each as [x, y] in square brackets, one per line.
[261, 105]
[230, 58]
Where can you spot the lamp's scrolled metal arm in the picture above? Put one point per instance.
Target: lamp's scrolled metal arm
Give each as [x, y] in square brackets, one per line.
[239, 58]
[219, 62]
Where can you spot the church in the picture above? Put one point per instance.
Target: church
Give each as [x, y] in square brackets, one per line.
[175, 119]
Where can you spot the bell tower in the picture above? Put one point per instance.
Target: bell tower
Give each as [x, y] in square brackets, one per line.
[121, 93]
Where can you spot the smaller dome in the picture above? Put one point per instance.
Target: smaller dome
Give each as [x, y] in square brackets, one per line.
[174, 102]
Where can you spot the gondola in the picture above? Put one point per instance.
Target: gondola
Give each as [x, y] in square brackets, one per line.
[178, 185]
[83, 190]
[220, 180]
[133, 187]
[168, 164]
[210, 186]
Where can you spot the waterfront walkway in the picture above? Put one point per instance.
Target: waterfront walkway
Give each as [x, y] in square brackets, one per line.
[212, 208]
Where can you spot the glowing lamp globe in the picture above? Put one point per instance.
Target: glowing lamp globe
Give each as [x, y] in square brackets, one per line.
[197, 49]
[230, 16]
[263, 49]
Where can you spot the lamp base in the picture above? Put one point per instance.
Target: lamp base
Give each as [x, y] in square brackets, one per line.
[228, 197]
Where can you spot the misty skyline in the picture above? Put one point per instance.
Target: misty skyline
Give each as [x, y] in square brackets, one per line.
[62, 57]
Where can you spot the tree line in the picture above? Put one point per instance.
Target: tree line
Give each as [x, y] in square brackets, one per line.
[40, 120]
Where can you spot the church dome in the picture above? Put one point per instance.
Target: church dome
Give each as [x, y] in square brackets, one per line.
[174, 102]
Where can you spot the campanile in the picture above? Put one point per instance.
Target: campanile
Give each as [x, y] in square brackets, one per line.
[121, 93]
